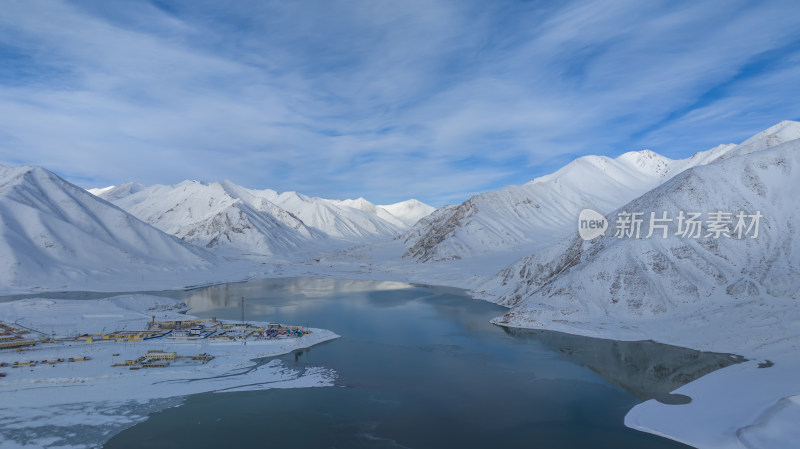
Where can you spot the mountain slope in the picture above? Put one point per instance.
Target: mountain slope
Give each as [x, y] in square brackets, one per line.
[676, 279]
[52, 231]
[544, 209]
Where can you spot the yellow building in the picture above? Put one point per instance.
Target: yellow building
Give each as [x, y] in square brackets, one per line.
[16, 343]
[161, 355]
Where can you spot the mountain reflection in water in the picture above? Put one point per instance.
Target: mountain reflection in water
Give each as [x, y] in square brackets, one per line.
[646, 369]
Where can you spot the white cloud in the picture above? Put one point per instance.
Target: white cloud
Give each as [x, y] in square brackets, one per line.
[386, 100]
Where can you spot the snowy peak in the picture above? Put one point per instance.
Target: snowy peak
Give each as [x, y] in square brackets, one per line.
[705, 157]
[402, 215]
[237, 191]
[633, 170]
[409, 211]
[359, 203]
[785, 131]
[338, 219]
[627, 168]
[11, 176]
[113, 193]
[646, 161]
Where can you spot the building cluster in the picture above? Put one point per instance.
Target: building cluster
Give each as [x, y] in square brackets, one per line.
[120, 336]
[161, 359]
[33, 363]
[213, 330]
[14, 337]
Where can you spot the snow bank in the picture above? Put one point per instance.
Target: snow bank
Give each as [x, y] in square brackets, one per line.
[741, 406]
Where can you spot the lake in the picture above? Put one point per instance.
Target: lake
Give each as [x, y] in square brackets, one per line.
[422, 367]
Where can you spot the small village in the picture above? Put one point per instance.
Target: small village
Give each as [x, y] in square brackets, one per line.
[23, 340]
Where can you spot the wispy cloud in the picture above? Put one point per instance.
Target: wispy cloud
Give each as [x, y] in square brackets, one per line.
[387, 100]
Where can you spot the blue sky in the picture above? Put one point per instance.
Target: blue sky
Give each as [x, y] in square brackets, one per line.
[389, 100]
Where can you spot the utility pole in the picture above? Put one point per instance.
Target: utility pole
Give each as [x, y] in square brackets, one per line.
[242, 309]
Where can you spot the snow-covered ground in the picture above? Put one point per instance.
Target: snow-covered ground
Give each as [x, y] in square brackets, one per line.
[741, 406]
[83, 403]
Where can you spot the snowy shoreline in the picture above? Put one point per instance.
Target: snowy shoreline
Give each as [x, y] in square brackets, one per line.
[747, 405]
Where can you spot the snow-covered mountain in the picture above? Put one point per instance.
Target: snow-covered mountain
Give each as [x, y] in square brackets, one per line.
[52, 231]
[219, 215]
[543, 210]
[403, 214]
[336, 220]
[234, 219]
[350, 220]
[678, 279]
[364, 205]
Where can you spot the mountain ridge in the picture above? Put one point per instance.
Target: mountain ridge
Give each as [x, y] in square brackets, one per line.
[542, 210]
[237, 220]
